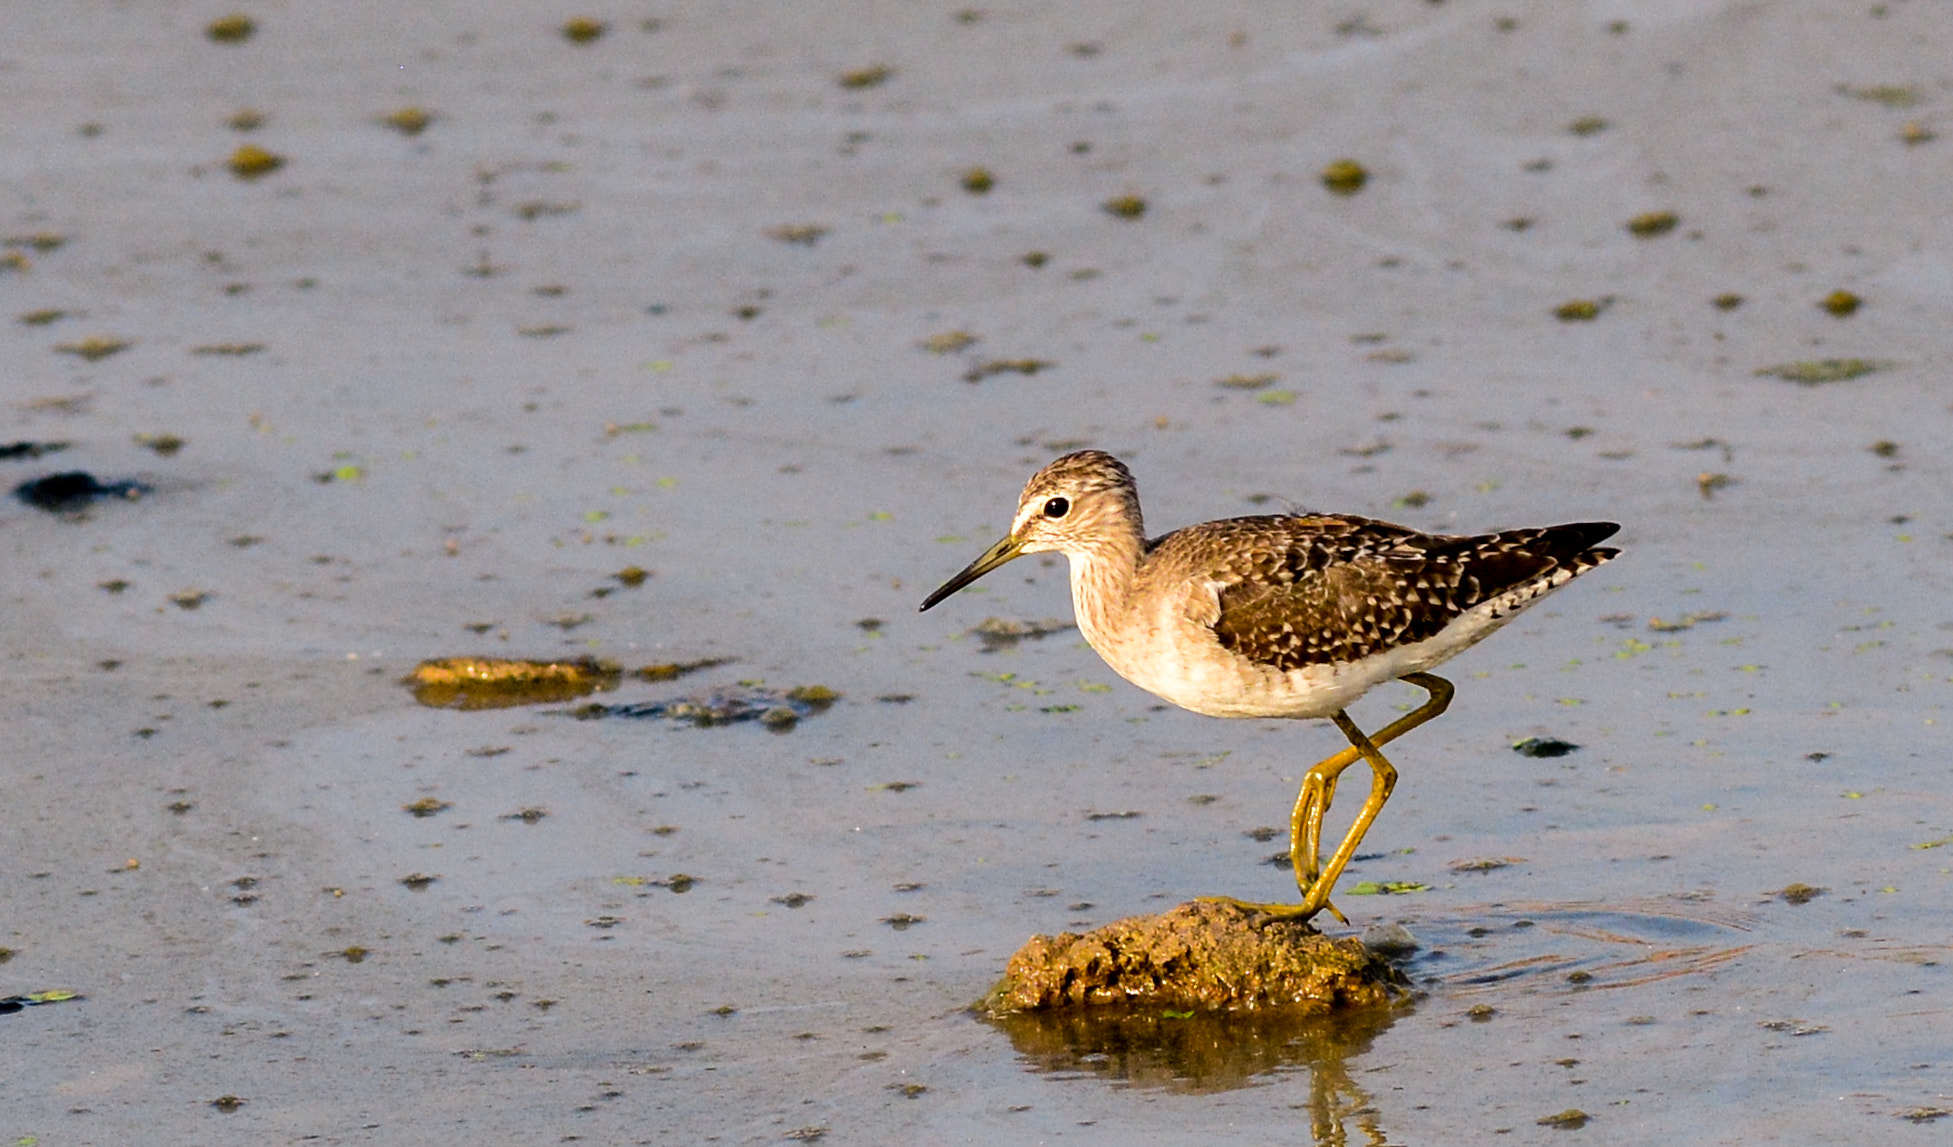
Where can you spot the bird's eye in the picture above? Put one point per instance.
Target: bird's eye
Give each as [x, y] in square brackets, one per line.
[1057, 508]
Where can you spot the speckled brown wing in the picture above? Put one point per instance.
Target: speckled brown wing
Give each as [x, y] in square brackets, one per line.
[1307, 591]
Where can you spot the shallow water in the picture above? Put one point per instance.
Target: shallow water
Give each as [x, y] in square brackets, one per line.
[208, 758]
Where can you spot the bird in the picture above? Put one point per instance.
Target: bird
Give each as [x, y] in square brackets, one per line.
[1282, 615]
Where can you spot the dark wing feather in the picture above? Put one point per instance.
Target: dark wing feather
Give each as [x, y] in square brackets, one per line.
[1322, 590]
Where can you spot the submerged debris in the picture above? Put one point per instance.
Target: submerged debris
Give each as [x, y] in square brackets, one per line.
[498, 683]
[1687, 621]
[1485, 864]
[998, 366]
[1581, 310]
[872, 76]
[1206, 956]
[94, 348]
[1001, 633]
[73, 490]
[1708, 482]
[1543, 747]
[1652, 223]
[14, 450]
[775, 709]
[408, 120]
[948, 342]
[801, 234]
[1572, 1119]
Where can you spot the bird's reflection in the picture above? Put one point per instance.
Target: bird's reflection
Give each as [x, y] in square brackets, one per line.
[1207, 1052]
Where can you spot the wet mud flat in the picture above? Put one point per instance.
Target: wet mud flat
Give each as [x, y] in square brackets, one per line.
[418, 330]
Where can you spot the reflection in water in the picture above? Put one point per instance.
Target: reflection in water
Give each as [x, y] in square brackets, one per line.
[1213, 1051]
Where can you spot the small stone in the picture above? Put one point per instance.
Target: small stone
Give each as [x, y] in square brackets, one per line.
[1391, 941]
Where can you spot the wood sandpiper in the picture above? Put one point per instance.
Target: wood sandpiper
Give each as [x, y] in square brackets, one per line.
[1286, 615]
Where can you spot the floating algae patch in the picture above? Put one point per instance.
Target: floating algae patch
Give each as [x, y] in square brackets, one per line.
[499, 683]
[253, 162]
[1199, 957]
[776, 709]
[1203, 1052]
[1345, 177]
[94, 348]
[408, 120]
[1818, 371]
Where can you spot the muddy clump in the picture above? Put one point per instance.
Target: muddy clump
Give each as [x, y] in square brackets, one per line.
[498, 683]
[1201, 956]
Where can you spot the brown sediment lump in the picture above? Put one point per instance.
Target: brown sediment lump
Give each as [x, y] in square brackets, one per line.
[1201, 955]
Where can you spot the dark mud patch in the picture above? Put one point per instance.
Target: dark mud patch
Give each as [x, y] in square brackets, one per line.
[73, 490]
[1198, 957]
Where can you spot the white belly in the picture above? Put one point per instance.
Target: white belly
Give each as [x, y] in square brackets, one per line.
[1179, 660]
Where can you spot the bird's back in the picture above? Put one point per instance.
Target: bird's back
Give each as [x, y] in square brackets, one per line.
[1298, 614]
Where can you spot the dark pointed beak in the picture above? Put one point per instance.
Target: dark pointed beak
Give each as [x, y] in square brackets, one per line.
[992, 558]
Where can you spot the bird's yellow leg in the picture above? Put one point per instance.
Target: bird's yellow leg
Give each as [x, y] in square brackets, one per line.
[1319, 787]
[1383, 779]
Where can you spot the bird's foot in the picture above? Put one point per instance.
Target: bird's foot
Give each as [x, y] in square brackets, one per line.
[1300, 912]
